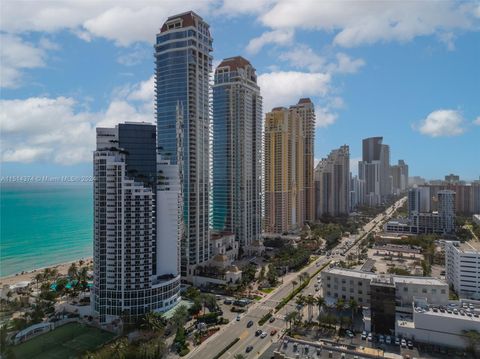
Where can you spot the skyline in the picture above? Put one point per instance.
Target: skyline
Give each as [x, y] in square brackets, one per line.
[355, 75]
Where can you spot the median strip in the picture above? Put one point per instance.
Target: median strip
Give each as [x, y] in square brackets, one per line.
[297, 290]
[224, 350]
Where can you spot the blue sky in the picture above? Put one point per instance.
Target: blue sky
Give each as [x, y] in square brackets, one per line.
[407, 71]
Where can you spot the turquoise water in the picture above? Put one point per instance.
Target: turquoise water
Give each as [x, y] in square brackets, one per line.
[44, 224]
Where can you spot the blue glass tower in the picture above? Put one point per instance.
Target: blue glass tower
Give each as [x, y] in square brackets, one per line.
[237, 146]
[183, 65]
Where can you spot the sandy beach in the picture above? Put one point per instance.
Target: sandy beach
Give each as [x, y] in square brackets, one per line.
[29, 276]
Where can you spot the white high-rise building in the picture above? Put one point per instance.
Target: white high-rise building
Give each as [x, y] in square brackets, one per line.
[136, 229]
[462, 268]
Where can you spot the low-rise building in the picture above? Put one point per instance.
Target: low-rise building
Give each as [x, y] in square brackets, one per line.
[439, 325]
[476, 219]
[353, 284]
[462, 267]
[224, 249]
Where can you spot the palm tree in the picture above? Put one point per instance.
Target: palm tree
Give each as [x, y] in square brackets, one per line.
[294, 283]
[310, 301]
[39, 278]
[353, 305]
[340, 305]
[291, 317]
[473, 339]
[179, 318]
[73, 271]
[320, 301]
[83, 277]
[154, 322]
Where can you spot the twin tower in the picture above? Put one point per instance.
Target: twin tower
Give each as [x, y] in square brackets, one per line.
[159, 192]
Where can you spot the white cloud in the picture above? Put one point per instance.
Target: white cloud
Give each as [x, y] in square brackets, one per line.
[283, 88]
[477, 121]
[135, 56]
[57, 130]
[278, 37]
[122, 22]
[347, 65]
[231, 8]
[15, 56]
[442, 123]
[324, 117]
[367, 22]
[302, 56]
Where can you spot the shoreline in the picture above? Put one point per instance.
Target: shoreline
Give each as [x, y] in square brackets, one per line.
[30, 275]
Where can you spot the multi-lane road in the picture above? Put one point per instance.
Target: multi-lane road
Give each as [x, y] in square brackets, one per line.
[238, 329]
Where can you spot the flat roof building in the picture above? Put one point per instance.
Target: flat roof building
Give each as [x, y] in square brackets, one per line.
[462, 267]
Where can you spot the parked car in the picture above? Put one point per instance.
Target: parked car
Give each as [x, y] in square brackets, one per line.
[238, 317]
[249, 324]
[273, 332]
[397, 341]
[403, 343]
[263, 335]
[271, 320]
[381, 339]
[227, 302]
[370, 337]
[258, 332]
[410, 344]
[249, 348]
[349, 333]
[364, 335]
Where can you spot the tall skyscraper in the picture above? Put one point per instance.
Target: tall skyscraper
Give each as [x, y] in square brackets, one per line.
[374, 169]
[399, 173]
[306, 113]
[237, 150]
[285, 134]
[135, 266]
[418, 200]
[446, 210]
[183, 66]
[332, 180]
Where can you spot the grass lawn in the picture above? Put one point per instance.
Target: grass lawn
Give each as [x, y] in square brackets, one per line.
[267, 290]
[67, 341]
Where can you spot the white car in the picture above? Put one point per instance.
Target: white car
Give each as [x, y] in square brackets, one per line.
[263, 335]
[388, 340]
[403, 343]
[370, 338]
[238, 317]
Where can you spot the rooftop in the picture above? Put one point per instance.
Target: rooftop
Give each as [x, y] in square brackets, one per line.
[234, 63]
[187, 19]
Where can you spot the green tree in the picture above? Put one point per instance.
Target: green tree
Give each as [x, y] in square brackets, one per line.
[179, 318]
[320, 301]
[310, 302]
[353, 305]
[291, 318]
[472, 338]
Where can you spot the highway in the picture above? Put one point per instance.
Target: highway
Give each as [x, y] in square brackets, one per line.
[238, 329]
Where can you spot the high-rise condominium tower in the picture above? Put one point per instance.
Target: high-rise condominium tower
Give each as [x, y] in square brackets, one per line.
[136, 267]
[285, 153]
[183, 65]
[374, 169]
[332, 180]
[237, 146]
[399, 173]
[306, 113]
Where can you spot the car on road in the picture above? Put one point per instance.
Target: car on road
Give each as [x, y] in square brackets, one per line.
[370, 337]
[263, 335]
[258, 332]
[364, 335]
[271, 320]
[403, 343]
[349, 333]
[238, 317]
[227, 301]
[249, 324]
[273, 332]
[410, 344]
[249, 348]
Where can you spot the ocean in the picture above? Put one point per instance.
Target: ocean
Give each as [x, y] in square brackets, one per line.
[43, 224]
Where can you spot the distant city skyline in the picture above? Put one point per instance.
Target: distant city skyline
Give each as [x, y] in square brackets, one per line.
[393, 79]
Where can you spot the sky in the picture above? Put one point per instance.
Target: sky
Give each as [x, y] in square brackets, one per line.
[405, 70]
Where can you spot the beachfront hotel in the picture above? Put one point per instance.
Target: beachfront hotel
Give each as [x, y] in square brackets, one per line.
[237, 151]
[137, 225]
[183, 65]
